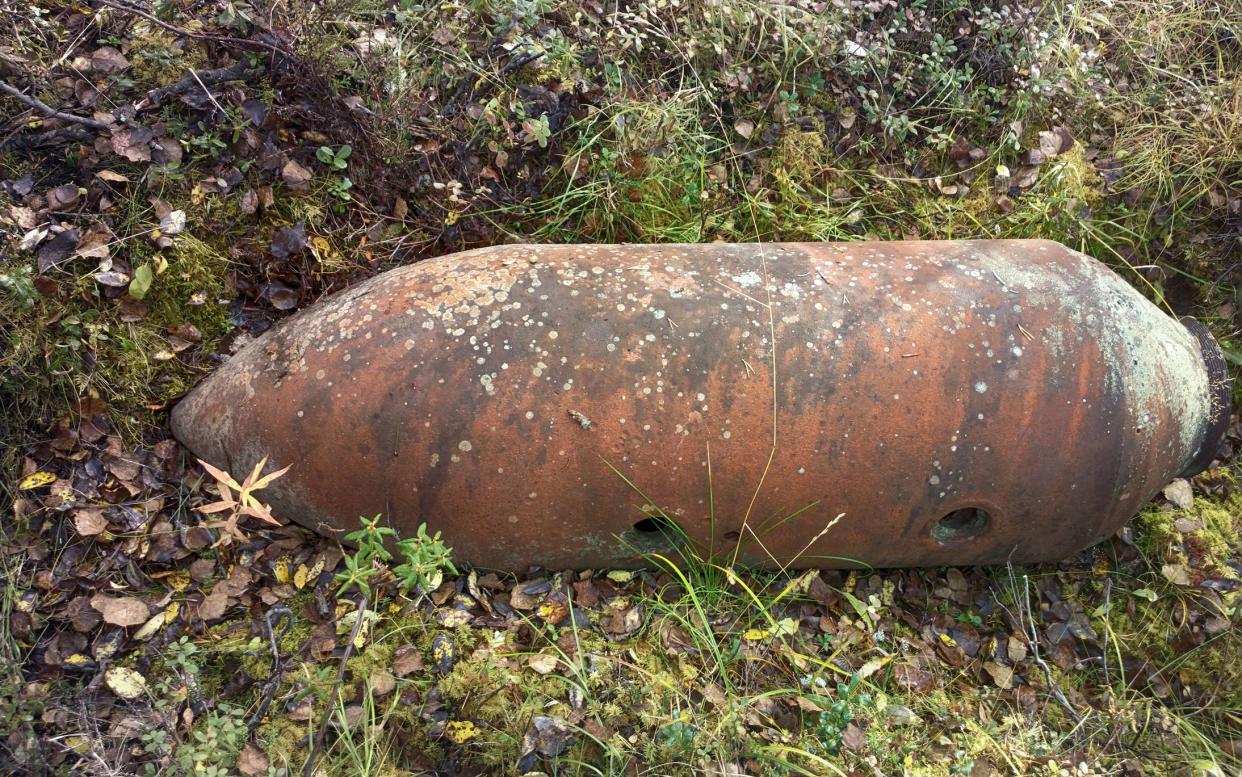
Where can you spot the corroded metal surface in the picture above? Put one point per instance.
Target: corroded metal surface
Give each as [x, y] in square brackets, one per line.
[958, 402]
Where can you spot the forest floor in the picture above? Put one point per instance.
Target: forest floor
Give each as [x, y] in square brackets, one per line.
[175, 177]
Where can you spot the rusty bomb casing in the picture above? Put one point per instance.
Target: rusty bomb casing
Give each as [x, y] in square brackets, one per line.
[964, 402]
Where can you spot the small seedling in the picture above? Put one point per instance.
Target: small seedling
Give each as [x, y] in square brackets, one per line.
[337, 160]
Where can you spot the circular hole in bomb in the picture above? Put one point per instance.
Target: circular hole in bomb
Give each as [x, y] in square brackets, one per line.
[653, 534]
[961, 525]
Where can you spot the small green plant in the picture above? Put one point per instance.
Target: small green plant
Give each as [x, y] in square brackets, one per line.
[181, 656]
[18, 283]
[339, 188]
[832, 722]
[538, 130]
[679, 736]
[368, 561]
[424, 559]
[214, 743]
[337, 160]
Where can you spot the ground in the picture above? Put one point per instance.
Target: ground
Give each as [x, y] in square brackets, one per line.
[178, 176]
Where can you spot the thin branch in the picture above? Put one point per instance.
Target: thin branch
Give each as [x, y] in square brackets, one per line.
[207, 91]
[48, 110]
[1032, 641]
[238, 71]
[317, 743]
[225, 39]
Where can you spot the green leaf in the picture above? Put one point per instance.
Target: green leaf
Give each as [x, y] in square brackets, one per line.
[140, 284]
[1146, 593]
[325, 155]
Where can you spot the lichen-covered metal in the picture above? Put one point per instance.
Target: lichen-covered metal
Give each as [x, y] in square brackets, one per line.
[958, 402]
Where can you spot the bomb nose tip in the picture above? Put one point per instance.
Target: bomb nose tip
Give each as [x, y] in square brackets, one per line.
[1220, 388]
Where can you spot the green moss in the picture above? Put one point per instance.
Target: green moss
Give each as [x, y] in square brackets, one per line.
[158, 59]
[1154, 532]
[190, 289]
[1209, 547]
[284, 740]
[799, 158]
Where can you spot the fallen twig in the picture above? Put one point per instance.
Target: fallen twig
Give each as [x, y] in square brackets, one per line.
[273, 682]
[1026, 619]
[48, 110]
[238, 71]
[224, 39]
[309, 769]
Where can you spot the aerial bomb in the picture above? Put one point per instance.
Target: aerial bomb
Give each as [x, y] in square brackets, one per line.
[790, 405]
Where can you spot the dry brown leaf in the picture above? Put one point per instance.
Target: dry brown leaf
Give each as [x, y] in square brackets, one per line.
[121, 610]
[296, 177]
[407, 661]
[1001, 675]
[382, 682]
[108, 61]
[90, 522]
[854, 738]
[63, 197]
[213, 607]
[252, 762]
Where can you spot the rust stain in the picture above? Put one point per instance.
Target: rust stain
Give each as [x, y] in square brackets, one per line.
[507, 395]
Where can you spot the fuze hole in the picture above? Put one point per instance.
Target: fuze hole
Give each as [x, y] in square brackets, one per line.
[961, 525]
[648, 525]
[653, 534]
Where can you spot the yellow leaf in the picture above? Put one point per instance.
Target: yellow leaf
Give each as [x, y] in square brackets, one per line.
[125, 682]
[308, 575]
[171, 612]
[754, 635]
[872, 666]
[851, 580]
[77, 659]
[177, 581]
[787, 626]
[36, 480]
[282, 570]
[321, 248]
[149, 628]
[461, 731]
[946, 639]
